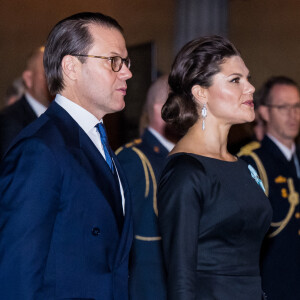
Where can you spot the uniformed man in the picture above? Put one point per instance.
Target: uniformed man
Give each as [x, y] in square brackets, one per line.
[277, 160]
[142, 161]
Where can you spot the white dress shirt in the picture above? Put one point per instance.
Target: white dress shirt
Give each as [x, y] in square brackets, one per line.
[87, 122]
[167, 144]
[37, 107]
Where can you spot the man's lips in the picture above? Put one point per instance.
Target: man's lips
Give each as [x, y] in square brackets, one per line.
[122, 90]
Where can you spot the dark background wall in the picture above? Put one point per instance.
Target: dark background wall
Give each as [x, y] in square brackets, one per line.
[25, 24]
[267, 32]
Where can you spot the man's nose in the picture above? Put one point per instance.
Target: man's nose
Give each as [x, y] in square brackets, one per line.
[125, 73]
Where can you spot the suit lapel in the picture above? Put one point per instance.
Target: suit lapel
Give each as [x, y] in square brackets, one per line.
[127, 232]
[86, 153]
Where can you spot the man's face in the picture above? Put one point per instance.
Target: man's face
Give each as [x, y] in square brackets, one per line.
[283, 123]
[99, 89]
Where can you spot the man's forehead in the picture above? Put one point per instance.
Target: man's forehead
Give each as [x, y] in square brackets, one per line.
[106, 36]
[285, 92]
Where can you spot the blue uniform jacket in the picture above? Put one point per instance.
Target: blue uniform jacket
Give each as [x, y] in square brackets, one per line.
[142, 162]
[59, 237]
[280, 261]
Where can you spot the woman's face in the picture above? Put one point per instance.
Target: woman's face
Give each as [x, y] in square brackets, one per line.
[230, 97]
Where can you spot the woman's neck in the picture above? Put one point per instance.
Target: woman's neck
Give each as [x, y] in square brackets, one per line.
[211, 142]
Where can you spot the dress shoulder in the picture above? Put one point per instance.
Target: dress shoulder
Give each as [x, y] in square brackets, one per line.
[183, 163]
[183, 173]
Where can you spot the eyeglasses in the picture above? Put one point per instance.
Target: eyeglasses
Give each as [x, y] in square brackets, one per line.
[116, 61]
[287, 108]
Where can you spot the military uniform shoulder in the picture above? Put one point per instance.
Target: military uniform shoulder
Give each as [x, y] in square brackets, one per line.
[129, 145]
[249, 148]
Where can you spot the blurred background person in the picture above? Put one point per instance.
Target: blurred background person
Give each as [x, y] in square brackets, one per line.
[212, 214]
[276, 159]
[142, 161]
[14, 92]
[31, 105]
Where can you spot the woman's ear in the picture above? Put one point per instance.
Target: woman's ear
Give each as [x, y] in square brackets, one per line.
[199, 93]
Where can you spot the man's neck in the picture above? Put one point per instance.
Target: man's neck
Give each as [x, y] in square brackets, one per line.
[287, 142]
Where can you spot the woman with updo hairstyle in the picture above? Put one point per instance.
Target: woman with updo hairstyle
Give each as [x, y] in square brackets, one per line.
[212, 210]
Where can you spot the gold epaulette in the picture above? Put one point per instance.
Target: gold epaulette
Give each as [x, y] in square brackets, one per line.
[247, 149]
[129, 145]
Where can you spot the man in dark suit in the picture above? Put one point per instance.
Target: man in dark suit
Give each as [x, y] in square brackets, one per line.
[277, 160]
[142, 161]
[31, 105]
[65, 213]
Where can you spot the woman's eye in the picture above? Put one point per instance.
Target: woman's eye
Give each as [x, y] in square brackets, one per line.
[235, 80]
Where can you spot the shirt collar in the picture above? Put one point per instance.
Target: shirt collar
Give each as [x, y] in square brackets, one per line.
[167, 144]
[287, 152]
[37, 107]
[84, 118]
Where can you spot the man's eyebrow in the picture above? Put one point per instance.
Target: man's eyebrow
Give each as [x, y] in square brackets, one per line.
[117, 54]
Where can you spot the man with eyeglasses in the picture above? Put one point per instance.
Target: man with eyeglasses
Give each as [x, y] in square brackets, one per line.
[65, 212]
[277, 161]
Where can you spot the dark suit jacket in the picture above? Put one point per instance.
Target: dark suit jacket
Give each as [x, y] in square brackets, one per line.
[59, 237]
[147, 279]
[12, 120]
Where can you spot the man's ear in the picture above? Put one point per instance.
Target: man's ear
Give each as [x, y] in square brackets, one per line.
[199, 93]
[27, 78]
[264, 112]
[69, 67]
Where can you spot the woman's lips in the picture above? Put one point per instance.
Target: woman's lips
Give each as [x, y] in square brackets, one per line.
[249, 103]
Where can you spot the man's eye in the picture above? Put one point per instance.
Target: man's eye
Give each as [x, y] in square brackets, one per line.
[235, 80]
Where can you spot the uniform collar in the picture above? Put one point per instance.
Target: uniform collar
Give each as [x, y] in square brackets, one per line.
[36, 106]
[287, 152]
[167, 144]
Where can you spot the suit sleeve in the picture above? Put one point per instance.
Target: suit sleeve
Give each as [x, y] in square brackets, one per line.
[29, 197]
[179, 210]
[133, 169]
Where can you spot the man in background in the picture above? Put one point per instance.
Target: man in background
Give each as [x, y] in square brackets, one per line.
[32, 104]
[276, 159]
[14, 92]
[142, 160]
[65, 209]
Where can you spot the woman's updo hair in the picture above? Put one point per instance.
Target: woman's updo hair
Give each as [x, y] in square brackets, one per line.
[196, 63]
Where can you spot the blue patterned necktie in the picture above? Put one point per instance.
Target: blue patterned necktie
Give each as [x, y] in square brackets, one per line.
[105, 144]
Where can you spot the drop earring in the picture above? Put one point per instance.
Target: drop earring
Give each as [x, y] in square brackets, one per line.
[204, 115]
